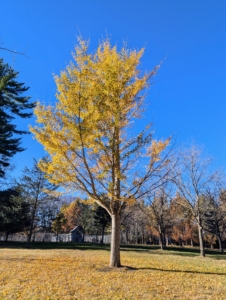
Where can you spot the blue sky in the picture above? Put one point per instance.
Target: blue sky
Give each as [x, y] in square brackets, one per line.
[188, 97]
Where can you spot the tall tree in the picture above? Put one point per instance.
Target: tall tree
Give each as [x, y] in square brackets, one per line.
[184, 225]
[36, 190]
[159, 215]
[89, 135]
[12, 103]
[215, 217]
[58, 222]
[102, 219]
[86, 218]
[71, 213]
[14, 212]
[77, 213]
[47, 213]
[134, 223]
[195, 181]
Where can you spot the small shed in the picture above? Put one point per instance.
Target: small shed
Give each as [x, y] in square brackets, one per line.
[77, 234]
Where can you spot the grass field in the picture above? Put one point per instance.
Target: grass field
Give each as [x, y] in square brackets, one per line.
[70, 271]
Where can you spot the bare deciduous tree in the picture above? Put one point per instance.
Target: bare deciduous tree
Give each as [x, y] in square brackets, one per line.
[195, 180]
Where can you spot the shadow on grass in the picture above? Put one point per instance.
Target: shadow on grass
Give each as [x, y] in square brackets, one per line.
[162, 252]
[152, 249]
[174, 271]
[52, 246]
[178, 251]
[128, 268]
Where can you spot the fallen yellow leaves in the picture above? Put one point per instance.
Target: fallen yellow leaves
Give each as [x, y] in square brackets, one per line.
[77, 274]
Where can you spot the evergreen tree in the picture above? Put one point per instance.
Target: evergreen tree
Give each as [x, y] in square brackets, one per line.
[58, 223]
[102, 219]
[12, 104]
[14, 212]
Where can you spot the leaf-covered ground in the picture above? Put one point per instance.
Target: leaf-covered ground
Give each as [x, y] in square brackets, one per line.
[82, 273]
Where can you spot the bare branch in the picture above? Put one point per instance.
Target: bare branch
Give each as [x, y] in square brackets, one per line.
[14, 51]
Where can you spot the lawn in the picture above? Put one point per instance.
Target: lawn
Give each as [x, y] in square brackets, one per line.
[70, 271]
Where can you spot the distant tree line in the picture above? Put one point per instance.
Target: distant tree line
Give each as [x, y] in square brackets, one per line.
[32, 205]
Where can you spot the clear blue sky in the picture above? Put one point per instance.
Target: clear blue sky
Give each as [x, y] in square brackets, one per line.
[188, 97]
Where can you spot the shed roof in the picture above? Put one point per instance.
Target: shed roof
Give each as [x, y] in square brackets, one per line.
[79, 228]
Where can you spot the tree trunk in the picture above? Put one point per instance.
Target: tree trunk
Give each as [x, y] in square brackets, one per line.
[220, 244]
[167, 240]
[161, 240]
[29, 238]
[32, 224]
[6, 236]
[164, 241]
[83, 235]
[34, 236]
[115, 241]
[127, 237]
[102, 237]
[192, 242]
[201, 242]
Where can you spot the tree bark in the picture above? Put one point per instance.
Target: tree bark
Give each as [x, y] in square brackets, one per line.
[201, 242]
[102, 235]
[180, 241]
[32, 224]
[115, 241]
[164, 241]
[127, 237]
[220, 244]
[161, 240]
[83, 235]
[6, 236]
[167, 240]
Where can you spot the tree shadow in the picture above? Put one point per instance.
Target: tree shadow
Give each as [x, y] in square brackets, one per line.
[175, 271]
[129, 268]
[163, 252]
[151, 249]
[177, 251]
[54, 246]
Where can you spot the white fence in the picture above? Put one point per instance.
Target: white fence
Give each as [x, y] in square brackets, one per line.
[51, 237]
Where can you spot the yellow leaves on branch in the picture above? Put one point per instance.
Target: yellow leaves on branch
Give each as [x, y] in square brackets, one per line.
[52, 193]
[156, 149]
[99, 96]
[103, 85]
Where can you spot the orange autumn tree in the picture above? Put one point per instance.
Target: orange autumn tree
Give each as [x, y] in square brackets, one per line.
[89, 134]
[185, 227]
[68, 216]
[71, 213]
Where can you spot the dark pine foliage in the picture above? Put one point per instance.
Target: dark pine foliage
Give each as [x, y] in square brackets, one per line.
[14, 212]
[12, 104]
[101, 220]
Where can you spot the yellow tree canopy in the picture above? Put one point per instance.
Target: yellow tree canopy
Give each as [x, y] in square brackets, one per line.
[88, 133]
